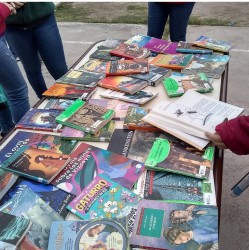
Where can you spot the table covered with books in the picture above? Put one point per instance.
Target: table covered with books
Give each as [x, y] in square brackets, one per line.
[101, 162]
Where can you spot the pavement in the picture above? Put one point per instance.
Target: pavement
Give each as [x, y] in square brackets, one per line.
[234, 228]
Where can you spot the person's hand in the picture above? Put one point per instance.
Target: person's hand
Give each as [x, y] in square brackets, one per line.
[18, 5]
[216, 139]
[11, 7]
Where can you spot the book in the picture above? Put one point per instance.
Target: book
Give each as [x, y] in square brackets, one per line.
[12, 230]
[176, 62]
[27, 204]
[81, 78]
[158, 226]
[37, 164]
[103, 53]
[120, 107]
[155, 76]
[189, 48]
[69, 91]
[94, 65]
[178, 188]
[139, 40]
[133, 120]
[56, 198]
[111, 235]
[86, 117]
[212, 65]
[40, 119]
[214, 44]
[127, 67]
[177, 84]
[53, 103]
[7, 180]
[130, 51]
[103, 135]
[141, 97]
[103, 198]
[93, 160]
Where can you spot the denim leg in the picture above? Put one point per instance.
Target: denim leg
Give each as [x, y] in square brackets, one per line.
[179, 17]
[157, 18]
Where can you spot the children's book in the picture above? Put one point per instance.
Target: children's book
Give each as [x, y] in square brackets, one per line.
[189, 48]
[56, 198]
[155, 76]
[140, 97]
[133, 120]
[37, 164]
[103, 198]
[130, 51]
[27, 204]
[86, 117]
[214, 44]
[82, 78]
[212, 65]
[119, 107]
[176, 62]
[12, 230]
[54, 103]
[103, 135]
[177, 84]
[69, 91]
[103, 53]
[170, 226]
[111, 235]
[88, 161]
[127, 67]
[123, 83]
[7, 180]
[179, 188]
[94, 65]
[40, 119]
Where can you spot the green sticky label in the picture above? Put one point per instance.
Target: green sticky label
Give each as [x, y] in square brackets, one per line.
[209, 154]
[203, 77]
[206, 188]
[171, 85]
[108, 114]
[158, 153]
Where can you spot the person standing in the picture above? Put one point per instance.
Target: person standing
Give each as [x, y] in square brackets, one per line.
[33, 31]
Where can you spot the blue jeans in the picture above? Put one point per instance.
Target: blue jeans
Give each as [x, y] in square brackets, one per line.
[15, 88]
[178, 14]
[45, 39]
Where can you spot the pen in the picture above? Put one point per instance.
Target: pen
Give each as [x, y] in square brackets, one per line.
[241, 186]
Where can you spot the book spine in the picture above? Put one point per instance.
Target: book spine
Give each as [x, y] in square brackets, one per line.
[194, 51]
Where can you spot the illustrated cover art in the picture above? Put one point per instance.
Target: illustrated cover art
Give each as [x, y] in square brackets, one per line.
[103, 53]
[139, 40]
[177, 84]
[69, 91]
[103, 135]
[38, 164]
[82, 78]
[140, 97]
[60, 104]
[103, 198]
[120, 107]
[94, 65]
[86, 117]
[7, 180]
[123, 83]
[171, 226]
[84, 235]
[127, 67]
[40, 119]
[189, 48]
[177, 157]
[12, 230]
[30, 206]
[88, 161]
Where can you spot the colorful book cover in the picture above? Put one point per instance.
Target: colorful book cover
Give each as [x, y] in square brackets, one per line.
[103, 198]
[56, 198]
[60, 104]
[88, 161]
[103, 135]
[7, 180]
[27, 204]
[82, 78]
[172, 61]
[189, 48]
[127, 67]
[86, 117]
[214, 44]
[103, 53]
[40, 119]
[94, 65]
[139, 40]
[171, 226]
[119, 107]
[177, 84]
[69, 91]
[12, 230]
[140, 97]
[177, 157]
[82, 235]
[123, 83]
[37, 164]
